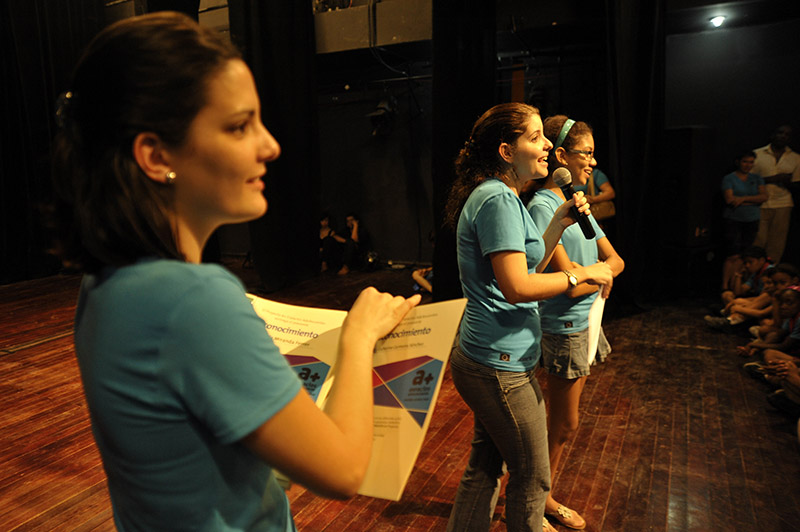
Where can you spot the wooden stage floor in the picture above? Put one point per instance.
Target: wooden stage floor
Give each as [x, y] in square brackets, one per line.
[673, 435]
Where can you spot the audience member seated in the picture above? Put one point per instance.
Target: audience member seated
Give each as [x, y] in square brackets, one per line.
[787, 397]
[779, 367]
[330, 245]
[743, 309]
[783, 276]
[747, 281]
[357, 245]
[780, 345]
[423, 279]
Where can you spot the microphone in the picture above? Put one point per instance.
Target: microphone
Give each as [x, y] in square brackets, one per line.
[563, 179]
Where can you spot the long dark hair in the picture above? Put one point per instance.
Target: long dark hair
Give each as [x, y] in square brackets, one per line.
[480, 159]
[143, 74]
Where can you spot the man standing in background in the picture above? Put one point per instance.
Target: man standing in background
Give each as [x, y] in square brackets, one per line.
[779, 166]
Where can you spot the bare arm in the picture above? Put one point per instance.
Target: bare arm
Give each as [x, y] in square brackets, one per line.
[752, 312]
[610, 256]
[760, 301]
[518, 286]
[786, 345]
[739, 286]
[735, 201]
[419, 277]
[778, 179]
[329, 451]
[607, 254]
[606, 193]
[560, 262]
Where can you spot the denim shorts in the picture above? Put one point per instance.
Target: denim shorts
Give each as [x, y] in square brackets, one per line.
[566, 355]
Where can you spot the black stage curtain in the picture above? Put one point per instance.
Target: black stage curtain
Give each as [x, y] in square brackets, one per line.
[40, 41]
[464, 63]
[636, 123]
[188, 7]
[277, 40]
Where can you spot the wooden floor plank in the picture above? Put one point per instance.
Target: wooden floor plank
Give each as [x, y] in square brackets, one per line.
[673, 435]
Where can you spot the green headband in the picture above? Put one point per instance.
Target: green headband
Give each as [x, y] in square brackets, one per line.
[564, 132]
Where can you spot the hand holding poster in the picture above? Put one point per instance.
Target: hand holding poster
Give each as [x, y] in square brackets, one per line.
[408, 366]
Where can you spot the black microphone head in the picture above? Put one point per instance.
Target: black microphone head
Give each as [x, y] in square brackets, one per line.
[562, 177]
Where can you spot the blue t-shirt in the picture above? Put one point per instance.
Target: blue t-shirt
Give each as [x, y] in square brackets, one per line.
[599, 178]
[561, 314]
[177, 368]
[494, 332]
[756, 280]
[749, 187]
[792, 326]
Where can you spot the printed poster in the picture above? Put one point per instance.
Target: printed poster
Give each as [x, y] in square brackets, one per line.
[408, 366]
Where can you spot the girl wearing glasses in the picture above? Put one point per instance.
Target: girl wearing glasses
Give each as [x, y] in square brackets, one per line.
[564, 318]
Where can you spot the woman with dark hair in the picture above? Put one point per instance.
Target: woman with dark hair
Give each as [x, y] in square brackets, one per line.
[192, 405]
[500, 256]
[743, 192]
[565, 318]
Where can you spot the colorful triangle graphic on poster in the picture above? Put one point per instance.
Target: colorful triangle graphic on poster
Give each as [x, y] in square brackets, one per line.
[382, 396]
[312, 372]
[409, 384]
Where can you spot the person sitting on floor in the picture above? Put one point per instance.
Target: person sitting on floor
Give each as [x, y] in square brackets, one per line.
[780, 368]
[330, 245]
[783, 275]
[423, 279]
[787, 397]
[747, 282]
[741, 309]
[783, 344]
[356, 244]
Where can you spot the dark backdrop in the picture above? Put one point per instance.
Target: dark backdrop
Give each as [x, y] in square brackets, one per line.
[611, 64]
[277, 39]
[40, 42]
[733, 87]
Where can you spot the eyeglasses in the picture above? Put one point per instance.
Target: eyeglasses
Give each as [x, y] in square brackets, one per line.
[587, 154]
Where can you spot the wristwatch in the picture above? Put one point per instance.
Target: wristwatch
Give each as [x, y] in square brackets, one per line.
[573, 281]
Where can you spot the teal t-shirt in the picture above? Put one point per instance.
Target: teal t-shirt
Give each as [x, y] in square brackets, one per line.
[177, 368]
[561, 314]
[748, 187]
[493, 331]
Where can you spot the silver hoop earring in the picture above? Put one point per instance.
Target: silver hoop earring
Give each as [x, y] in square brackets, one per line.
[170, 177]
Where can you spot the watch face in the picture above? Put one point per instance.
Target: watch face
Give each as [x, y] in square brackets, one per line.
[572, 279]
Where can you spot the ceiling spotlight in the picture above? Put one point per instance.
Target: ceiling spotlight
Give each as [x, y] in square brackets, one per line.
[717, 21]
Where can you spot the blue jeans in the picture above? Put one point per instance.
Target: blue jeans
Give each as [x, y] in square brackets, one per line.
[511, 427]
